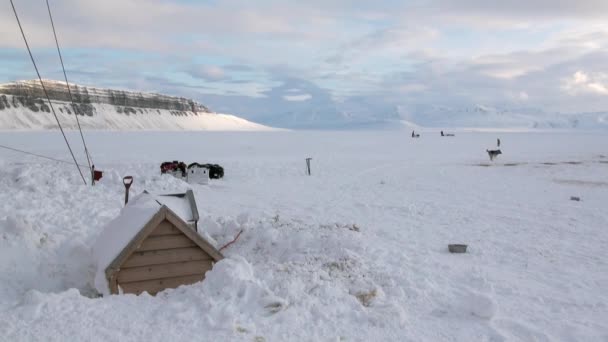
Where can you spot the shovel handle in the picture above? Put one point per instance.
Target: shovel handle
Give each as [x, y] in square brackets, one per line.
[127, 181]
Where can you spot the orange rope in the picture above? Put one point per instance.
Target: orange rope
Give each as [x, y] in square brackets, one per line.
[233, 241]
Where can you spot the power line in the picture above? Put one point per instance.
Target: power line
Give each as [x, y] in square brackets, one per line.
[86, 150]
[38, 155]
[45, 92]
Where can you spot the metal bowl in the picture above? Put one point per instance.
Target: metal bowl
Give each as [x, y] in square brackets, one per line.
[457, 248]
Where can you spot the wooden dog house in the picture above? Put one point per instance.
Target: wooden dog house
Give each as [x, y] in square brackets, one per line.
[150, 248]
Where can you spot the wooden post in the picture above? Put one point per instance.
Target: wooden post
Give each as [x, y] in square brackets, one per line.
[93, 174]
[308, 165]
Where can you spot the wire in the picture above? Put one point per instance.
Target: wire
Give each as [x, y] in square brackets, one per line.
[38, 155]
[86, 150]
[45, 92]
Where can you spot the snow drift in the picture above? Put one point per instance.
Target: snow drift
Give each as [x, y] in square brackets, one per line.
[355, 252]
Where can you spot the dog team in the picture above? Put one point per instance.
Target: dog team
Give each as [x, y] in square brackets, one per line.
[491, 153]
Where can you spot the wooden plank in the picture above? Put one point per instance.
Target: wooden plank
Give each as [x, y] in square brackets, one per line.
[113, 285]
[165, 256]
[165, 242]
[157, 285]
[165, 228]
[177, 269]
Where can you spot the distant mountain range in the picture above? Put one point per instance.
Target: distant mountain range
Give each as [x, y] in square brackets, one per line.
[429, 116]
[323, 112]
[489, 117]
[24, 106]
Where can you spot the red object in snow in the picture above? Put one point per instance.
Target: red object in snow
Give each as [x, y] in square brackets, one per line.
[174, 166]
[97, 175]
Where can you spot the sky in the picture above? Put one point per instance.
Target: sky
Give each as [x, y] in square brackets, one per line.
[285, 61]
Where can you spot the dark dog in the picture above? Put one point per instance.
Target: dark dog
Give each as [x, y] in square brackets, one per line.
[493, 154]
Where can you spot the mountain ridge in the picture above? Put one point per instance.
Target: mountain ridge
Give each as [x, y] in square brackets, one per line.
[23, 105]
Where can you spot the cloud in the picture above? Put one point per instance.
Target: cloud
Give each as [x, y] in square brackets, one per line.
[397, 40]
[238, 67]
[298, 98]
[555, 9]
[209, 73]
[581, 82]
[353, 58]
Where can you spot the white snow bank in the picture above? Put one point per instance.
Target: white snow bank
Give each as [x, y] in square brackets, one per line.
[355, 252]
[239, 294]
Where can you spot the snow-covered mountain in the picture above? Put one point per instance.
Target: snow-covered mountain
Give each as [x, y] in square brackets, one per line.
[369, 116]
[24, 106]
[485, 116]
[323, 112]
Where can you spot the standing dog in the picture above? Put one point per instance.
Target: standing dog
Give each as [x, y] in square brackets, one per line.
[493, 154]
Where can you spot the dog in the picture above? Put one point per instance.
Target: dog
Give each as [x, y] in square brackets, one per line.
[415, 135]
[493, 154]
[447, 134]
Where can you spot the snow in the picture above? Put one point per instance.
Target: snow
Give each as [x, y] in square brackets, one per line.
[179, 205]
[357, 251]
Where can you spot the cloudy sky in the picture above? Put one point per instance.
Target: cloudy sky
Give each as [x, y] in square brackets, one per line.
[271, 58]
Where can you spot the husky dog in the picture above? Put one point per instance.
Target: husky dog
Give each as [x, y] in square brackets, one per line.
[493, 154]
[447, 134]
[415, 135]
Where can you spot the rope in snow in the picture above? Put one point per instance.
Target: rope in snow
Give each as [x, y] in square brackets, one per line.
[39, 155]
[86, 150]
[233, 241]
[46, 93]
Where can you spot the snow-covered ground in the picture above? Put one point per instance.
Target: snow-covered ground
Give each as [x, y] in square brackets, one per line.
[355, 252]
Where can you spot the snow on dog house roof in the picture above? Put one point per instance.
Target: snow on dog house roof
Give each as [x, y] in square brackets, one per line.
[184, 205]
[149, 247]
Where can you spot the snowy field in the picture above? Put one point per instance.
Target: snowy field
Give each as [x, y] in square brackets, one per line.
[355, 252]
